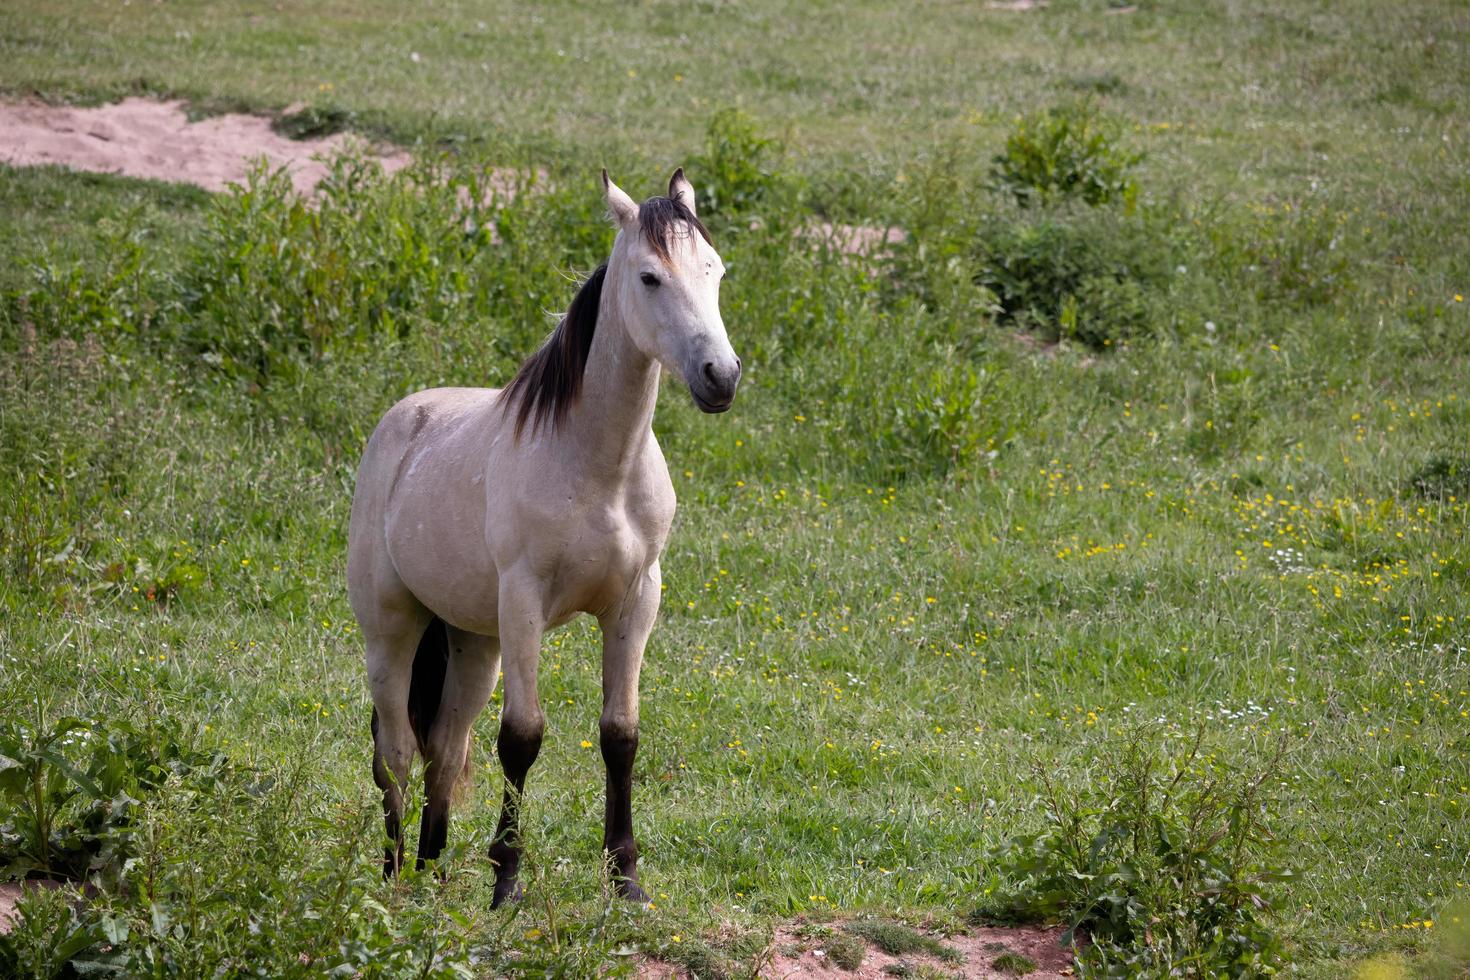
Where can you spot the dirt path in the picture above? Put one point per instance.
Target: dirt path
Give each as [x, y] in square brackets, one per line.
[145, 138]
[799, 952]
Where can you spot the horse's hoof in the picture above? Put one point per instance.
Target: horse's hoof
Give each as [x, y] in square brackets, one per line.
[632, 891]
[507, 891]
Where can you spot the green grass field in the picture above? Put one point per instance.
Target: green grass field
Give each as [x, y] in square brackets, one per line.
[930, 565]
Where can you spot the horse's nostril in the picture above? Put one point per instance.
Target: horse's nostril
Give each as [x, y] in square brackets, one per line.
[739, 363]
[709, 372]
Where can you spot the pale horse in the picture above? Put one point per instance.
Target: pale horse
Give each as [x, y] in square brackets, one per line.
[484, 517]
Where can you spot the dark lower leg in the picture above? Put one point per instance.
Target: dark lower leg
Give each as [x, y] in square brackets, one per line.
[393, 849]
[392, 808]
[433, 831]
[619, 747]
[518, 750]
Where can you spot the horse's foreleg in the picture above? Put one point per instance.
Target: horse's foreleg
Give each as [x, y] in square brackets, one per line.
[521, 726]
[390, 667]
[469, 680]
[624, 634]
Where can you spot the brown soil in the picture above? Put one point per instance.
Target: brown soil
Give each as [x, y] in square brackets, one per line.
[145, 138]
[792, 955]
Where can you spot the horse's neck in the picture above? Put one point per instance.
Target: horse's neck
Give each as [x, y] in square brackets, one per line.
[613, 418]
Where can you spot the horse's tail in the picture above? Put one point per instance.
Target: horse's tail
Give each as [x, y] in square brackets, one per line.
[426, 688]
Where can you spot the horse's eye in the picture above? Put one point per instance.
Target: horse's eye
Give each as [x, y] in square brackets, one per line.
[649, 279]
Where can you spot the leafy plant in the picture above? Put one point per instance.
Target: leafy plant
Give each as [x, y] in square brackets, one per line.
[737, 171]
[123, 294]
[49, 937]
[1068, 151]
[1166, 865]
[68, 791]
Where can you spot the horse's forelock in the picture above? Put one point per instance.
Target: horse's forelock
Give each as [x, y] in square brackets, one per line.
[658, 220]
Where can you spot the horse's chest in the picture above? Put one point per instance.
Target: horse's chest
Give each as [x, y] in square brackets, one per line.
[599, 559]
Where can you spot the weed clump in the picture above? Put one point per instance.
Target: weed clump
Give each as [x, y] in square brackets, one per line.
[702, 960]
[1166, 865]
[897, 939]
[1442, 475]
[314, 122]
[69, 792]
[1286, 251]
[1014, 964]
[845, 951]
[1067, 151]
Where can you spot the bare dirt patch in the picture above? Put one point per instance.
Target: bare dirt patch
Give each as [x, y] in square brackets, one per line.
[801, 949]
[145, 138]
[856, 239]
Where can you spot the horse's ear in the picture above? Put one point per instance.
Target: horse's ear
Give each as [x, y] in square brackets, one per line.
[619, 204]
[681, 190]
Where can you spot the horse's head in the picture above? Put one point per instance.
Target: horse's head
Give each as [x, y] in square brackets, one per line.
[665, 277]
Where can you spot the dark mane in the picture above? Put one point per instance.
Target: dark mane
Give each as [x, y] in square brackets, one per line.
[548, 382]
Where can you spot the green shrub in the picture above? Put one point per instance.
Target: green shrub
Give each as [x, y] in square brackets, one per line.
[1065, 152]
[279, 280]
[1164, 863]
[1094, 280]
[279, 284]
[123, 293]
[737, 174]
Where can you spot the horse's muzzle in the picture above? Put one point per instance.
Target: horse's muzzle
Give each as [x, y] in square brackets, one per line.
[713, 386]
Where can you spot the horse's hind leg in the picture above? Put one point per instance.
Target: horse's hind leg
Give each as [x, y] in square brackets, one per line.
[474, 667]
[390, 656]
